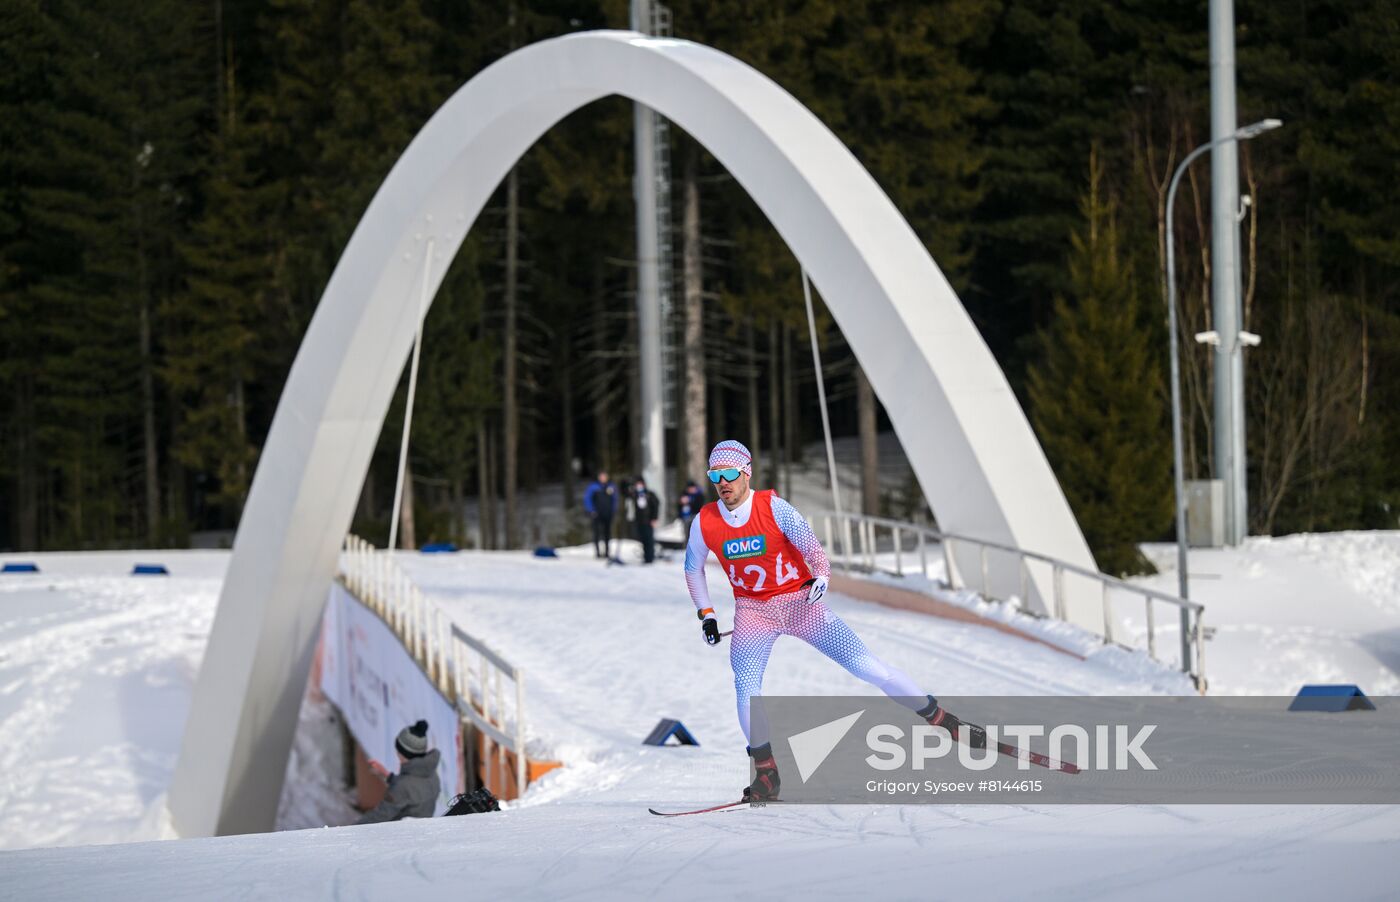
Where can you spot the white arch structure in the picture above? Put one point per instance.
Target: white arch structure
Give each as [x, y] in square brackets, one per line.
[967, 438]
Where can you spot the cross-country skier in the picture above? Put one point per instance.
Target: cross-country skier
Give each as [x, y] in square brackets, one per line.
[779, 573]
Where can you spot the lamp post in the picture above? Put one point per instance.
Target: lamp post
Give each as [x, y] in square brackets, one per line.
[1240, 134]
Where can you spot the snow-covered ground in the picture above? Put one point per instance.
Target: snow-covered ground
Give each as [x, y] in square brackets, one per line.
[96, 672]
[1319, 608]
[96, 668]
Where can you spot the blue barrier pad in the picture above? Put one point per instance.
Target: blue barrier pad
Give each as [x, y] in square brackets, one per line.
[668, 728]
[545, 551]
[1319, 697]
[19, 567]
[438, 548]
[149, 570]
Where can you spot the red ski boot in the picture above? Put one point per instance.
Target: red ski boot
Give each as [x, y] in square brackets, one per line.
[940, 717]
[765, 784]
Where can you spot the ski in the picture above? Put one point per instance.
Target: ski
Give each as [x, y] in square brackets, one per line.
[699, 810]
[978, 740]
[1045, 761]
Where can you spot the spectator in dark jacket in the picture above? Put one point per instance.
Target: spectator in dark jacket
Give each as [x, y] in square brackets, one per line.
[643, 509]
[414, 790]
[689, 505]
[600, 501]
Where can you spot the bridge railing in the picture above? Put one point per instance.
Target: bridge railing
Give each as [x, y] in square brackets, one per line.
[486, 689]
[861, 543]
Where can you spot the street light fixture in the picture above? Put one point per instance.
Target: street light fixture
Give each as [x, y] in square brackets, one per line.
[1255, 129]
[1244, 133]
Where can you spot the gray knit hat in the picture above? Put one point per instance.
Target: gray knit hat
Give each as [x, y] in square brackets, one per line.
[413, 741]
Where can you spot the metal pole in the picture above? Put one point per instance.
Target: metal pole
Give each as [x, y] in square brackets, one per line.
[1237, 434]
[1225, 301]
[412, 388]
[1178, 465]
[648, 282]
[1107, 614]
[1151, 629]
[1200, 674]
[1243, 134]
[520, 760]
[821, 394]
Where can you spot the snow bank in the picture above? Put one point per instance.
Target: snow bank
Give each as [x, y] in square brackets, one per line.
[1311, 608]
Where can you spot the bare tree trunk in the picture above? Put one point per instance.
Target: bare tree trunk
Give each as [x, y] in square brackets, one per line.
[240, 421]
[1365, 366]
[148, 399]
[512, 411]
[367, 497]
[869, 452]
[481, 484]
[459, 517]
[602, 416]
[408, 539]
[634, 391]
[485, 507]
[175, 484]
[219, 64]
[493, 493]
[751, 360]
[716, 414]
[775, 421]
[790, 439]
[566, 412]
[693, 409]
[148, 424]
[1158, 178]
[27, 469]
[530, 518]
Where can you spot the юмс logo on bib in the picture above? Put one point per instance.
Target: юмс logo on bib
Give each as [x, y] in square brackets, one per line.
[748, 546]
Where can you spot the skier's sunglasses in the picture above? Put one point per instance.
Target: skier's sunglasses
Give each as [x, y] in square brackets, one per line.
[728, 474]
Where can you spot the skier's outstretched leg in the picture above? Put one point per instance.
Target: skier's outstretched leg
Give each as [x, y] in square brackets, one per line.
[818, 626]
[755, 631]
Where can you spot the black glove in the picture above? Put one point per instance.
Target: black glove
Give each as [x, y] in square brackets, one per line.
[710, 627]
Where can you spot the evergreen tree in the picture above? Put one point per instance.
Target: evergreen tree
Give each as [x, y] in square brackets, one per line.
[215, 324]
[455, 390]
[102, 178]
[1096, 394]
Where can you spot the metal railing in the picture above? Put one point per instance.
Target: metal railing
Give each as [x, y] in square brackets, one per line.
[860, 549]
[485, 708]
[466, 671]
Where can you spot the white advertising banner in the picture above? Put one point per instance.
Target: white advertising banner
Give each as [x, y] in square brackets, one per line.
[379, 688]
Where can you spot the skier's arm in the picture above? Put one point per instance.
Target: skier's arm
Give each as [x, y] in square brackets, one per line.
[696, 553]
[799, 533]
[588, 494]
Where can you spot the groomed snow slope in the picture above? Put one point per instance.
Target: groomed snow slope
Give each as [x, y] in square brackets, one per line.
[608, 651]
